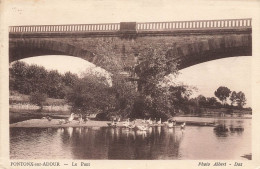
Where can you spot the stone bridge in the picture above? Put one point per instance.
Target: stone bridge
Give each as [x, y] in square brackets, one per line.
[188, 42]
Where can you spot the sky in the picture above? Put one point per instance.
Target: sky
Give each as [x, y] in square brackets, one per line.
[231, 72]
[39, 12]
[234, 73]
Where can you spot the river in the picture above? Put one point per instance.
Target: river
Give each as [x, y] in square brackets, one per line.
[229, 141]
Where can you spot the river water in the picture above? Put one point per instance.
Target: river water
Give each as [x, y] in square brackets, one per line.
[229, 141]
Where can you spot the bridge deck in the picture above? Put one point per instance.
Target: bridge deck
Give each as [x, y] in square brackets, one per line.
[137, 27]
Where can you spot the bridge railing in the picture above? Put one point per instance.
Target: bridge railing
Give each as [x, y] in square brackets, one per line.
[67, 28]
[202, 24]
[145, 26]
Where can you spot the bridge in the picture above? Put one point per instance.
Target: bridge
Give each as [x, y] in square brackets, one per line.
[110, 44]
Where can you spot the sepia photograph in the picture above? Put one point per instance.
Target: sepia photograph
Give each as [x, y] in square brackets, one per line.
[130, 80]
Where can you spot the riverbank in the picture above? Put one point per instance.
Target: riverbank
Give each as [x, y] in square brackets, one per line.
[17, 115]
[45, 123]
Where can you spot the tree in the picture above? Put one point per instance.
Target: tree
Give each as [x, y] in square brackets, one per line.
[17, 74]
[69, 79]
[157, 97]
[36, 79]
[222, 93]
[38, 98]
[27, 79]
[125, 93]
[152, 68]
[212, 101]
[240, 99]
[233, 97]
[91, 93]
[202, 101]
[179, 97]
[55, 85]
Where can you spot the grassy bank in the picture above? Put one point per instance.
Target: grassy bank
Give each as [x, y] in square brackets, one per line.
[21, 109]
[17, 115]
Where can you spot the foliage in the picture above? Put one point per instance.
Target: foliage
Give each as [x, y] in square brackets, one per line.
[125, 94]
[152, 68]
[222, 93]
[233, 97]
[157, 99]
[69, 79]
[212, 101]
[28, 79]
[38, 98]
[202, 101]
[240, 99]
[89, 93]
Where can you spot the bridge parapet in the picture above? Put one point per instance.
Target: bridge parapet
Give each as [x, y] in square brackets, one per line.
[145, 26]
[66, 28]
[201, 24]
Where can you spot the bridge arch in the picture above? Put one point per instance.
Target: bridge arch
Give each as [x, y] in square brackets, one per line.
[210, 49]
[38, 47]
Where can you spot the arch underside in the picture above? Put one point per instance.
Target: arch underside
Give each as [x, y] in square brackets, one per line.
[25, 49]
[210, 55]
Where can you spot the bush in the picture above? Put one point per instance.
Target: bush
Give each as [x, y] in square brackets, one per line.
[38, 98]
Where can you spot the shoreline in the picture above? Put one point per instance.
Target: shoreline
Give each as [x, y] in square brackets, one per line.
[44, 123]
[54, 123]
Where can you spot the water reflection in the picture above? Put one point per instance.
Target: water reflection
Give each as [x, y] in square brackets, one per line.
[123, 143]
[223, 130]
